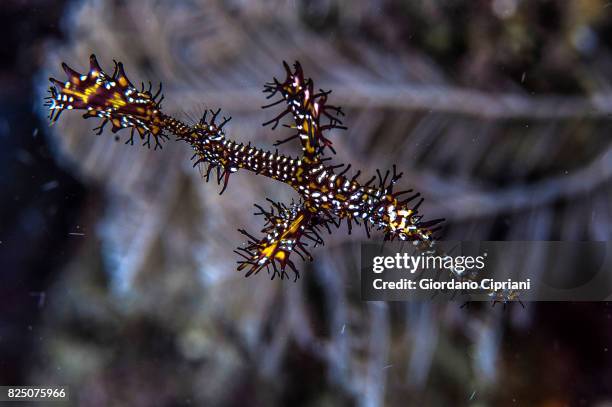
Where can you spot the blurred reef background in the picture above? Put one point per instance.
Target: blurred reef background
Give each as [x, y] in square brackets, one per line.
[117, 266]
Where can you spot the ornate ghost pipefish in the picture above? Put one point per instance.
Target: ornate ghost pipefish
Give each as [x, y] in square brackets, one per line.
[328, 195]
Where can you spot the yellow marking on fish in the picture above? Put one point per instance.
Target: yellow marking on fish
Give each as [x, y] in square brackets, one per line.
[269, 250]
[116, 101]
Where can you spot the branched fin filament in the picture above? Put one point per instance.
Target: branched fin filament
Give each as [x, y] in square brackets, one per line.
[287, 230]
[307, 108]
[113, 98]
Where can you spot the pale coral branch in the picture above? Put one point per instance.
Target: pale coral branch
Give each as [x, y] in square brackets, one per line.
[432, 98]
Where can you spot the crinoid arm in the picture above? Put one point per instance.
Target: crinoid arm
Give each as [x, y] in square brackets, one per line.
[307, 108]
[288, 229]
[112, 98]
